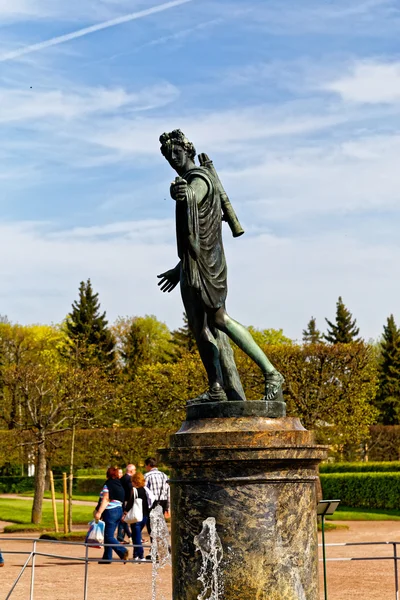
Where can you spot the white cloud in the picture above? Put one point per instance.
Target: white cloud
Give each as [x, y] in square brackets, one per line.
[226, 130]
[30, 105]
[356, 175]
[273, 282]
[148, 231]
[360, 17]
[369, 82]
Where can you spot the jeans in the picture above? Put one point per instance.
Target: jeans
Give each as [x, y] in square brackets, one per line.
[1, 559]
[111, 518]
[137, 538]
[123, 529]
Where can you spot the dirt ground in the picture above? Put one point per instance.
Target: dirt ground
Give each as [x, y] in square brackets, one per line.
[60, 579]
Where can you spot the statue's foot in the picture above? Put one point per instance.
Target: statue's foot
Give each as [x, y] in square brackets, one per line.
[273, 385]
[216, 393]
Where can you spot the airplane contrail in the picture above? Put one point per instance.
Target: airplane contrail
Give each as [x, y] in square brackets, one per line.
[92, 29]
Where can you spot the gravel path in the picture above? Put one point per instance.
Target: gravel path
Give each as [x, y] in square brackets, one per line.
[63, 579]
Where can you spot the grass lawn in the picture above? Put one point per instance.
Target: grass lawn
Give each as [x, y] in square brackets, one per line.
[347, 513]
[19, 511]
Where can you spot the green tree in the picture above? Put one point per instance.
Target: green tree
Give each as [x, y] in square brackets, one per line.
[44, 393]
[18, 343]
[90, 341]
[312, 335]
[388, 396]
[268, 337]
[145, 340]
[331, 388]
[158, 395]
[345, 329]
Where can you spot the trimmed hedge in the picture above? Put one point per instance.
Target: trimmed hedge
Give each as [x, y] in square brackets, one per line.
[363, 490]
[360, 467]
[92, 485]
[19, 485]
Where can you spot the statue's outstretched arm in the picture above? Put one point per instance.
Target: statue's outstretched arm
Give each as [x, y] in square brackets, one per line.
[179, 189]
[170, 279]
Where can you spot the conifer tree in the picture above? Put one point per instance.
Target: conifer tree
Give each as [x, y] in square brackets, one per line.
[91, 341]
[312, 335]
[345, 329]
[388, 397]
[183, 338]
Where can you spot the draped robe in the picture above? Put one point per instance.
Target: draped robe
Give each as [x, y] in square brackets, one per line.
[203, 264]
[199, 239]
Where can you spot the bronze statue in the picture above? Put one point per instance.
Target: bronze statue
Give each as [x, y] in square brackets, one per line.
[201, 205]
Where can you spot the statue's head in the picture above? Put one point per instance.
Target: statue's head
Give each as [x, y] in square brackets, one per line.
[177, 149]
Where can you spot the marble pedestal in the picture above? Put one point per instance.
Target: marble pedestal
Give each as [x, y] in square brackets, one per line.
[256, 476]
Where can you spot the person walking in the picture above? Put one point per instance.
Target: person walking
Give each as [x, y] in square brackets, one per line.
[1, 560]
[147, 498]
[157, 482]
[126, 480]
[109, 509]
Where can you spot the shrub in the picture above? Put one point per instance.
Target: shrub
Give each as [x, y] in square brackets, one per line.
[19, 485]
[360, 467]
[15, 485]
[363, 490]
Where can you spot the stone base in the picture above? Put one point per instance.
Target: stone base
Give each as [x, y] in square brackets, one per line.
[256, 476]
[253, 408]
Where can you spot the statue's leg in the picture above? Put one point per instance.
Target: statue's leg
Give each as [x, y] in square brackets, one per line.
[232, 384]
[206, 343]
[243, 338]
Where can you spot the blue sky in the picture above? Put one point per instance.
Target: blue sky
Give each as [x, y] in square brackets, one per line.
[298, 103]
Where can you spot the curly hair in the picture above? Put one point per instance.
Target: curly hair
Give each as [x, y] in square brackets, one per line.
[177, 137]
[138, 480]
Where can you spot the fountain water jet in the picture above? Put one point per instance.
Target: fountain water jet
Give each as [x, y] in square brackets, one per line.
[160, 549]
[208, 543]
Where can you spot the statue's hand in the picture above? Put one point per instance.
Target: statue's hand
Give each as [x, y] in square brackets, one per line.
[178, 189]
[169, 280]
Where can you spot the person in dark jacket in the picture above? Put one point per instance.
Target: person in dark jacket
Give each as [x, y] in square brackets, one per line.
[126, 481]
[147, 498]
[109, 509]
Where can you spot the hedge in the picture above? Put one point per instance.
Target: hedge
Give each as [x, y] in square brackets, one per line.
[19, 485]
[360, 467]
[363, 490]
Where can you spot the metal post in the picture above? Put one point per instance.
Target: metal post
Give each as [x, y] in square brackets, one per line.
[19, 576]
[53, 501]
[33, 570]
[396, 574]
[324, 557]
[65, 502]
[85, 585]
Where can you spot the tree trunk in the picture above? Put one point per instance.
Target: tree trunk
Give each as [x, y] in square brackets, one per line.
[40, 476]
[47, 478]
[71, 478]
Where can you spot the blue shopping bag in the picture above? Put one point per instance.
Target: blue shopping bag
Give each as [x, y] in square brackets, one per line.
[95, 534]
